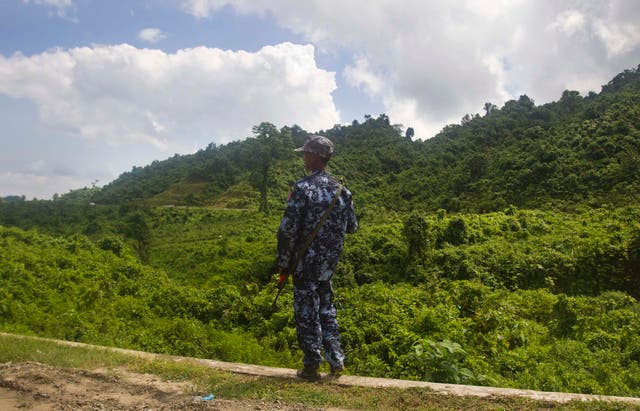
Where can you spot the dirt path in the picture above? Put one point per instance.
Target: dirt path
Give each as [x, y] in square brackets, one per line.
[35, 386]
[40, 387]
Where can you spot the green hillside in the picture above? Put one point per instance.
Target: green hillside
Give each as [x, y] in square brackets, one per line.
[504, 251]
[525, 299]
[576, 151]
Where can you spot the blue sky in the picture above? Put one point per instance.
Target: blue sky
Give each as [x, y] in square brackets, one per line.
[89, 89]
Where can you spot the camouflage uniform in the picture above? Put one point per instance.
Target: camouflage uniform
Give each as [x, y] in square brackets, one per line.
[314, 311]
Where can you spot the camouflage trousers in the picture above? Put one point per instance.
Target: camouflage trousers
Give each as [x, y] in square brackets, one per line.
[316, 322]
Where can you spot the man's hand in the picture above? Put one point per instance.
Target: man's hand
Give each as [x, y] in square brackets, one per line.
[283, 277]
[282, 280]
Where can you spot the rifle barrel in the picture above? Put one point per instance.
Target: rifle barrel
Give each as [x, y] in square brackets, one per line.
[276, 299]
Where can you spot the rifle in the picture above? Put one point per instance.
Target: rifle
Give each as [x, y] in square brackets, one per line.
[281, 283]
[303, 250]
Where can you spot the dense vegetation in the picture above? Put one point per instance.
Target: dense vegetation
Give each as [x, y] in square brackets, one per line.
[504, 251]
[578, 150]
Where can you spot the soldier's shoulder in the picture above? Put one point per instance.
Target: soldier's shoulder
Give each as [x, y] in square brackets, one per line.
[303, 181]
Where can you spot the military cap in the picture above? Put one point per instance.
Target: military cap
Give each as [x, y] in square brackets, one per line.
[319, 145]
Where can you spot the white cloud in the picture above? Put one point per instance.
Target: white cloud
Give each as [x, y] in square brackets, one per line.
[496, 67]
[431, 61]
[175, 102]
[619, 39]
[569, 22]
[362, 75]
[200, 8]
[151, 35]
[59, 4]
[204, 8]
[62, 6]
[37, 185]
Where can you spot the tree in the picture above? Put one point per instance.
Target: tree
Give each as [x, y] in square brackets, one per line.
[456, 232]
[409, 133]
[526, 101]
[477, 166]
[570, 102]
[268, 146]
[135, 227]
[467, 118]
[489, 108]
[417, 234]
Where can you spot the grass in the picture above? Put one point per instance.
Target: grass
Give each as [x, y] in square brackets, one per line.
[226, 385]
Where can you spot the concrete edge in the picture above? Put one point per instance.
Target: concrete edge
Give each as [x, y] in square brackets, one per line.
[355, 381]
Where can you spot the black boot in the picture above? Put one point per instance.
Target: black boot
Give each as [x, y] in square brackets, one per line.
[336, 371]
[309, 373]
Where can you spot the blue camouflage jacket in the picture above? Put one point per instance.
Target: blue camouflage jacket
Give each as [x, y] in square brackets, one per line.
[310, 197]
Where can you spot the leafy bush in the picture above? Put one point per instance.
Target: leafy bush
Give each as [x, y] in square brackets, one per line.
[500, 308]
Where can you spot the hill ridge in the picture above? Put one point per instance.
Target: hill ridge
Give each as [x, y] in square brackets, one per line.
[561, 155]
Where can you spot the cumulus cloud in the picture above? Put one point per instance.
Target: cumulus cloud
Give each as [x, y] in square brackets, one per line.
[201, 8]
[569, 22]
[176, 102]
[619, 39]
[361, 74]
[205, 8]
[62, 6]
[432, 62]
[151, 35]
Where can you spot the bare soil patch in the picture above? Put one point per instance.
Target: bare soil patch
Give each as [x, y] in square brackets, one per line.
[35, 386]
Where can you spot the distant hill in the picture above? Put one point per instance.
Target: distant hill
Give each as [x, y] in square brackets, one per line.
[577, 151]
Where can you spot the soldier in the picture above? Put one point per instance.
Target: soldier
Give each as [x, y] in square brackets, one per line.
[314, 311]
